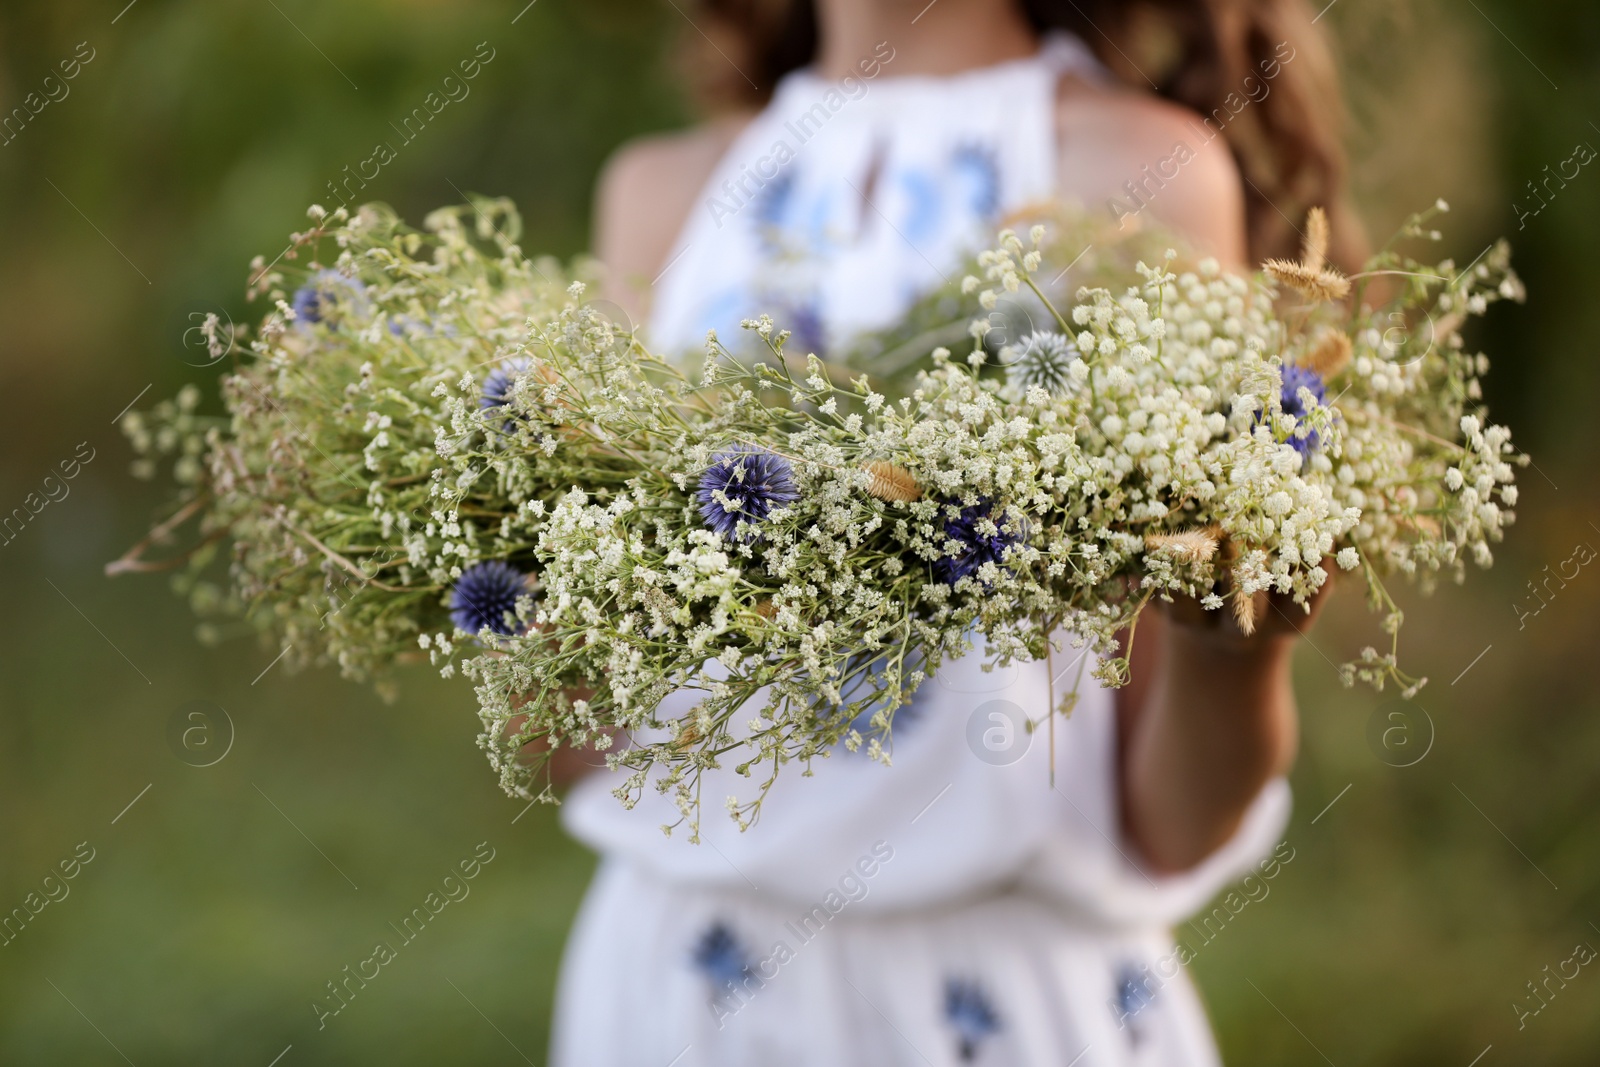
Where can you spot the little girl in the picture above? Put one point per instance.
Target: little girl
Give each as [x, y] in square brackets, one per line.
[956, 907]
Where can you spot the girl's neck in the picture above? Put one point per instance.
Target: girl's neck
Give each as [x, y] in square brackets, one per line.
[946, 36]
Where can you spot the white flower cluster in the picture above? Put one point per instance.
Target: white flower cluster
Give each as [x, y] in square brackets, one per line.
[329, 471]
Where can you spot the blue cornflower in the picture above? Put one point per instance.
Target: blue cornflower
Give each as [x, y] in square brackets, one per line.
[1293, 379]
[967, 1009]
[720, 956]
[485, 595]
[977, 546]
[753, 481]
[323, 292]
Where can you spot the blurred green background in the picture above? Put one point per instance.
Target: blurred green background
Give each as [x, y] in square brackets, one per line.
[216, 906]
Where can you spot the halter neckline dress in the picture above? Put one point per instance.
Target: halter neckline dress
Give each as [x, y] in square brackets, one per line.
[955, 908]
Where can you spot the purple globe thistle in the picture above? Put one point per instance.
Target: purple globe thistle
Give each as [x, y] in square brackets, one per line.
[1294, 378]
[977, 546]
[1046, 361]
[753, 481]
[486, 595]
[323, 292]
[498, 385]
[968, 1011]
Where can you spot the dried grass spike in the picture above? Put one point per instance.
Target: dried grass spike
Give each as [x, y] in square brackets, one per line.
[1247, 610]
[890, 482]
[1311, 276]
[1314, 253]
[766, 608]
[1187, 546]
[1329, 355]
[1320, 284]
[687, 736]
[1422, 524]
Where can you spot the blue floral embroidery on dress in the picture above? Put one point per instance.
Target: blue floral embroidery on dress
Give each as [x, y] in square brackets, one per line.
[968, 1011]
[1133, 996]
[923, 213]
[721, 957]
[909, 714]
[978, 165]
[803, 319]
[722, 309]
[770, 214]
[819, 229]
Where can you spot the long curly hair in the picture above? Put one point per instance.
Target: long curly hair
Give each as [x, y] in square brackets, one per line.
[1203, 54]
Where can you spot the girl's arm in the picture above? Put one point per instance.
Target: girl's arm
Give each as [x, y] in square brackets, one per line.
[567, 765]
[1207, 719]
[646, 192]
[1145, 162]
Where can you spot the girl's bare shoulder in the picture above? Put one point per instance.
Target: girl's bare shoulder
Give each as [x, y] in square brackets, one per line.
[645, 192]
[1128, 152]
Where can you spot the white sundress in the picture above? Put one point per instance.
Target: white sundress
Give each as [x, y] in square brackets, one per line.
[955, 908]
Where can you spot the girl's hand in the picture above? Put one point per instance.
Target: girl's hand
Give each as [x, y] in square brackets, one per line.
[1277, 617]
[567, 764]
